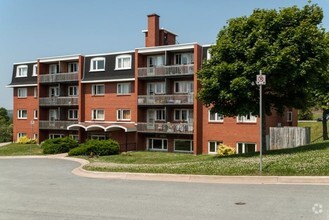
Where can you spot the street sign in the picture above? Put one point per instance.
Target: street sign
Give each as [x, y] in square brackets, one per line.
[261, 79]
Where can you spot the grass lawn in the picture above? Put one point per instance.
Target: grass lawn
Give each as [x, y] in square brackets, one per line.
[20, 149]
[316, 128]
[311, 160]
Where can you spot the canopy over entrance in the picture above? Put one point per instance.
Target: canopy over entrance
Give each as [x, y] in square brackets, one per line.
[90, 126]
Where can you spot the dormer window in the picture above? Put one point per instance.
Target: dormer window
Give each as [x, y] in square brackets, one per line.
[97, 64]
[35, 70]
[21, 71]
[123, 62]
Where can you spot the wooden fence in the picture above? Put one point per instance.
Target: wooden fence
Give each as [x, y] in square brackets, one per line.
[289, 137]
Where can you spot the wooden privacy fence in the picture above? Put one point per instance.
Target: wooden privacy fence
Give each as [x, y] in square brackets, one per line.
[289, 137]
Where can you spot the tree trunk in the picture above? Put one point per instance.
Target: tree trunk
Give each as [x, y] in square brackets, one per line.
[324, 124]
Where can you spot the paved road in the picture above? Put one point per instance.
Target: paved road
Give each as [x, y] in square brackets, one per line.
[46, 189]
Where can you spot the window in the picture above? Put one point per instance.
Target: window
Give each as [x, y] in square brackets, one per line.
[245, 148]
[53, 136]
[97, 64]
[35, 92]
[154, 61]
[73, 91]
[35, 70]
[74, 137]
[212, 146]
[72, 114]
[97, 137]
[35, 114]
[53, 91]
[123, 62]
[215, 117]
[123, 114]
[21, 134]
[123, 88]
[183, 145]
[156, 88]
[97, 114]
[157, 144]
[21, 71]
[22, 114]
[183, 115]
[73, 67]
[98, 89]
[184, 87]
[184, 58]
[160, 115]
[35, 136]
[53, 68]
[289, 116]
[247, 118]
[53, 114]
[208, 54]
[22, 92]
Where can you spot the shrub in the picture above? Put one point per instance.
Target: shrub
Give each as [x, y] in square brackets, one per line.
[224, 150]
[26, 140]
[97, 148]
[59, 145]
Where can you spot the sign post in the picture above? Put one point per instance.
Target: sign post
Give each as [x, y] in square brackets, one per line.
[260, 80]
[32, 123]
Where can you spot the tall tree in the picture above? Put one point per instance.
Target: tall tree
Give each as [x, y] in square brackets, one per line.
[288, 45]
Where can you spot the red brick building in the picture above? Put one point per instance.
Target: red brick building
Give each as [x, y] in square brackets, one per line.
[144, 99]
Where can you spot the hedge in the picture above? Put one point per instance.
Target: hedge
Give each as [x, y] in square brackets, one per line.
[97, 148]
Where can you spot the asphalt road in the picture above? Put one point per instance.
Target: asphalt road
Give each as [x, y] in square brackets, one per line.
[46, 189]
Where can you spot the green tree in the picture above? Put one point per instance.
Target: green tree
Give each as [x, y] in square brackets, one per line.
[6, 128]
[288, 45]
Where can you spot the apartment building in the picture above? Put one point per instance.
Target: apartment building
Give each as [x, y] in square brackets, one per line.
[144, 98]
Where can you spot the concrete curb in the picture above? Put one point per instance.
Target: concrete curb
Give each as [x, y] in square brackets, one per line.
[79, 171]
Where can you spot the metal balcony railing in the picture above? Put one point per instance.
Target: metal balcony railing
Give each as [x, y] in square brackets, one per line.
[58, 77]
[58, 101]
[165, 127]
[58, 125]
[186, 99]
[166, 70]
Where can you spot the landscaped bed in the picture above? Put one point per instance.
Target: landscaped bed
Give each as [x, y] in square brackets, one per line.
[20, 150]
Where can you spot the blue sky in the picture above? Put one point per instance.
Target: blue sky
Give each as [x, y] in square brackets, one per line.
[31, 29]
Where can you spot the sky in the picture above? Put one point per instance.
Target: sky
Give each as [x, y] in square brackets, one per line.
[32, 29]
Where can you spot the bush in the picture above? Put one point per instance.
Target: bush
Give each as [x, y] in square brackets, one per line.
[59, 145]
[97, 148]
[26, 140]
[224, 150]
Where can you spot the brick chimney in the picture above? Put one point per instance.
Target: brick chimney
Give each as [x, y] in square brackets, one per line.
[153, 31]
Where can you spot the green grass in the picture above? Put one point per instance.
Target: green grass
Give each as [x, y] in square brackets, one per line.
[316, 128]
[311, 160]
[20, 149]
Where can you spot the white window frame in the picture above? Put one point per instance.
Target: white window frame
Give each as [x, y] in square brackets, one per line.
[208, 54]
[218, 117]
[120, 114]
[94, 89]
[189, 113]
[216, 146]
[188, 56]
[54, 68]
[191, 145]
[35, 92]
[75, 90]
[94, 68]
[95, 114]
[35, 70]
[163, 147]
[20, 114]
[35, 114]
[121, 88]
[75, 65]
[21, 71]
[289, 116]
[244, 118]
[244, 147]
[160, 114]
[56, 89]
[21, 93]
[120, 59]
[53, 136]
[21, 134]
[73, 112]
[156, 88]
[184, 87]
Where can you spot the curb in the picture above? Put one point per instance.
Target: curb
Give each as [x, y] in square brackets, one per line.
[79, 171]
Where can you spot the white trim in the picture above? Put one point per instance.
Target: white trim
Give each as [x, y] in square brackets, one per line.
[152, 149]
[242, 119]
[20, 113]
[216, 147]
[243, 147]
[191, 145]
[121, 113]
[109, 80]
[23, 85]
[122, 56]
[96, 68]
[207, 45]
[116, 122]
[166, 48]
[113, 53]
[96, 118]
[94, 89]
[72, 110]
[25, 62]
[35, 70]
[216, 117]
[35, 114]
[59, 58]
[22, 67]
[19, 94]
[122, 84]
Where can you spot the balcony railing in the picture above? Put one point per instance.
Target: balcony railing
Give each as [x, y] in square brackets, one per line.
[166, 70]
[58, 101]
[58, 77]
[166, 99]
[58, 125]
[166, 127]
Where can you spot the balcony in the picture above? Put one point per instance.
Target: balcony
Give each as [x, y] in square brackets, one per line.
[186, 99]
[166, 127]
[58, 77]
[56, 125]
[58, 101]
[177, 70]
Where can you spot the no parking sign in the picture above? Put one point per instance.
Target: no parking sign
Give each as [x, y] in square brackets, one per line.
[261, 79]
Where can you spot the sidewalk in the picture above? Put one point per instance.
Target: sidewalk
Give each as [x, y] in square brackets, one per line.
[79, 171]
[4, 144]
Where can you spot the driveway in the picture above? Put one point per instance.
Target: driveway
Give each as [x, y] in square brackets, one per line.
[46, 189]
